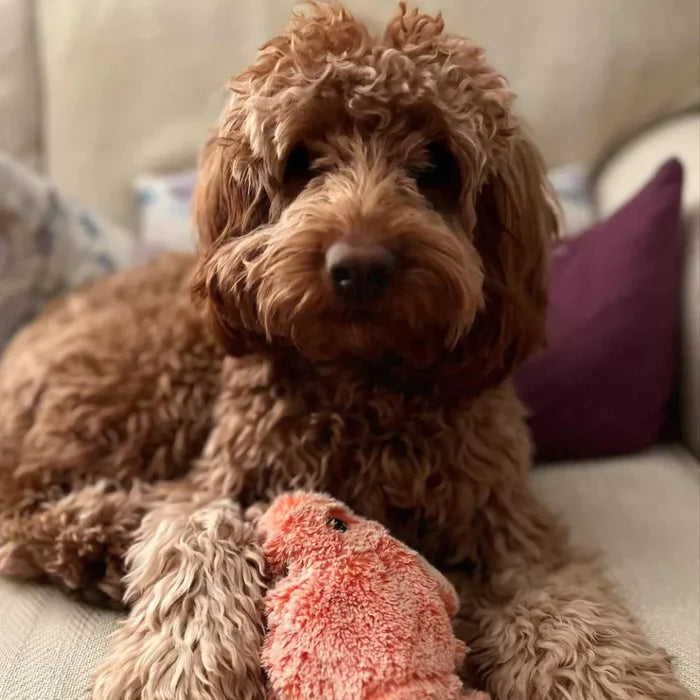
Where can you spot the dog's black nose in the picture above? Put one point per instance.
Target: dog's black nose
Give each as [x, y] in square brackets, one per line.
[359, 271]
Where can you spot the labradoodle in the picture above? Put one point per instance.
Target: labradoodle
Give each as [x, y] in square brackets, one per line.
[373, 235]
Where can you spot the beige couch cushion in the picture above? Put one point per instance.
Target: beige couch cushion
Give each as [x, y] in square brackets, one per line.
[641, 511]
[19, 83]
[131, 86]
[49, 645]
[626, 171]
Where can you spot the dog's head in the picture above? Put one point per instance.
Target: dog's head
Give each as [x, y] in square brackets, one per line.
[374, 198]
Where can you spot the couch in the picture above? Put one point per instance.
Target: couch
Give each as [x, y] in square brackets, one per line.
[96, 93]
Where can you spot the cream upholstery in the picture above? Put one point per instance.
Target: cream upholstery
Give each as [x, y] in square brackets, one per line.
[19, 83]
[131, 86]
[635, 162]
[643, 512]
[49, 645]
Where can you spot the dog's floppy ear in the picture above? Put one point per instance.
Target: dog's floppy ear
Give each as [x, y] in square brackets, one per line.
[227, 203]
[211, 202]
[515, 211]
[517, 222]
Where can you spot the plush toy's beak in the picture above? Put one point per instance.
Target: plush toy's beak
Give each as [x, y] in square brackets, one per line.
[275, 559]
[276, 528]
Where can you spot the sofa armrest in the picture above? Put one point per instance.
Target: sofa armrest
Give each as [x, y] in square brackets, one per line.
[616, 182]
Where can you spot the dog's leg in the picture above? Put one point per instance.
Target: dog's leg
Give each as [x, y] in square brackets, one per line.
[547, 625]
[196, 584]
[109, 391]
[79, 540]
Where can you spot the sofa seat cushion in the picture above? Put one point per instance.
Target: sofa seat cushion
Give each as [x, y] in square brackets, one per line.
[643, 512]
[49, 644]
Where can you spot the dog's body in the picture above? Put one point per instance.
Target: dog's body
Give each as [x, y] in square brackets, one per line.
[159, 401]
[374, 288]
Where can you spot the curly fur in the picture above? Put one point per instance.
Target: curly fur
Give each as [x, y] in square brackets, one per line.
[176, 639]
[122, 402]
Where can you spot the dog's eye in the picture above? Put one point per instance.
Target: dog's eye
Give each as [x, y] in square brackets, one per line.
[439, 181]
[337, 524]
[297, 171]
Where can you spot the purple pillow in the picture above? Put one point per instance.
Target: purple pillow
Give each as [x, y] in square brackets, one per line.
[604, 383]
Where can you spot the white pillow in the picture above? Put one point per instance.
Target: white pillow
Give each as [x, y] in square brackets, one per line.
[635, 162]
[164, 222]
[572, 186]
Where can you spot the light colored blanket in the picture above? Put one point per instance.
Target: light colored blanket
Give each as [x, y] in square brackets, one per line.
[48, 246]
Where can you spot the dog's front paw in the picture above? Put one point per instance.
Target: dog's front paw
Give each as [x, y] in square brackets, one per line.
[196, 626]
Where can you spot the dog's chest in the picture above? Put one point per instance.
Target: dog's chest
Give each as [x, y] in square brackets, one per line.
[411, 463]
[344, 436]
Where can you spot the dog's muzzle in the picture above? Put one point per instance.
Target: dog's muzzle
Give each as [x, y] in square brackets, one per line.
[359, 271]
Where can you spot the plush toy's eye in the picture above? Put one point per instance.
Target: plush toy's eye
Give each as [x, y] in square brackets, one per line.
[337, 524]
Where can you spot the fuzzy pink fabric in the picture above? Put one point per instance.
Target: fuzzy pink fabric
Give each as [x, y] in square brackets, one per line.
[355, 613]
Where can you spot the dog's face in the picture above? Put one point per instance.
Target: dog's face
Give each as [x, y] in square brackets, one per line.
[374, 198]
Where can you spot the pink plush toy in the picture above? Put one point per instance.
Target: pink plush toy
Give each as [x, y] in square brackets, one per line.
[355, 614]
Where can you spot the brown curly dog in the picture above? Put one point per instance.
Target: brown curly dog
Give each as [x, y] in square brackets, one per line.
[373, 229]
